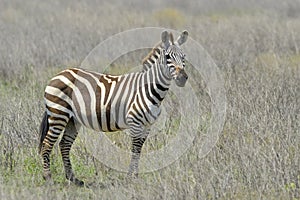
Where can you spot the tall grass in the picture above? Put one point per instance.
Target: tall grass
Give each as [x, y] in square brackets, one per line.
[255, 46]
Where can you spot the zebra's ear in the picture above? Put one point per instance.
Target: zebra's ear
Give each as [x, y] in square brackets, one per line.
[162, 59]
[182, 38]
[165, 39]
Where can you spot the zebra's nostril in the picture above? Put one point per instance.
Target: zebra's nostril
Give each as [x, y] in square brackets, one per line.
[185, 76]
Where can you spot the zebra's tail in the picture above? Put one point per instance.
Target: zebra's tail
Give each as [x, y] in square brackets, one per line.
[43, 130]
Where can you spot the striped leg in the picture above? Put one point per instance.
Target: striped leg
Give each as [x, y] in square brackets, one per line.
[48, 141]
[138, 140]
[65, 147]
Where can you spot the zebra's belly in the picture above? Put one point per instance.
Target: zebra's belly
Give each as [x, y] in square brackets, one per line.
[106, 122]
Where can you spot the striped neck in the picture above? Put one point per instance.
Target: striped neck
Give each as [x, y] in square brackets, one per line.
[159, 81]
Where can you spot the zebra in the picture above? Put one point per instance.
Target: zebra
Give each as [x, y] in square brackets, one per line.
[77, 97]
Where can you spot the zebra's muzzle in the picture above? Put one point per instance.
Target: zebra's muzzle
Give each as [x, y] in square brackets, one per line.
[181, 79]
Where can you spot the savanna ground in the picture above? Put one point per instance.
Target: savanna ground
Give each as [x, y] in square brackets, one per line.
[255, 44]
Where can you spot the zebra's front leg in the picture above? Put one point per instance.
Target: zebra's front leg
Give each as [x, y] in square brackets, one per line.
[138, 140]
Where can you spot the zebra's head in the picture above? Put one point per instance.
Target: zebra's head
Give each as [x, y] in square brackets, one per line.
[175, 57]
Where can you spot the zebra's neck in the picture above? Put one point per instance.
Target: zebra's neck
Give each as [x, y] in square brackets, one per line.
[158, 80]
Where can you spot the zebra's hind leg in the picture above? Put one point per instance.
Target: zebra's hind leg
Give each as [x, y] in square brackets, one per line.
[138, 140]
[49, 135]
[65, 145]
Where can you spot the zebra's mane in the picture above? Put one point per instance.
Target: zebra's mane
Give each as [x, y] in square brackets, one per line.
[146, 64]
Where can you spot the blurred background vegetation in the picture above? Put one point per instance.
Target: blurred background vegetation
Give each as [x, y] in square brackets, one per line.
[254, 43]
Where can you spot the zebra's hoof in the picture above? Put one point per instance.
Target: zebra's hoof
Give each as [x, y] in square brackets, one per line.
[132, 177]
[47, 177]
[79, 183]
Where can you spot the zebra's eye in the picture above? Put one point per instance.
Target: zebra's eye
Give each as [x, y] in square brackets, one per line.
[172, 68]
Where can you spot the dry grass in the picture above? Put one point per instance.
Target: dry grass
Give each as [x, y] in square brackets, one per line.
[257, 49]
